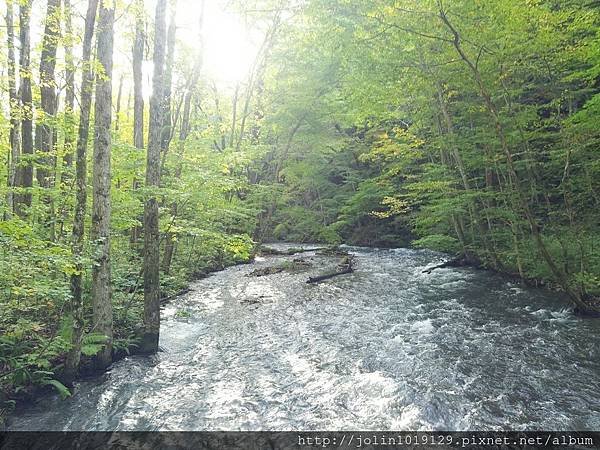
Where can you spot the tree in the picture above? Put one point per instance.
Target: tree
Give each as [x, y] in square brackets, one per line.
[25, 169]
[168, 81]
[138, 56]
[101, 208]
[44, 132]
[184, 131]
[87, 81]
[69, 86]
[149, 342]
[138, 98]
[14, 135]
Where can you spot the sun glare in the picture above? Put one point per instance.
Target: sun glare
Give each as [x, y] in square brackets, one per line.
[228, 47]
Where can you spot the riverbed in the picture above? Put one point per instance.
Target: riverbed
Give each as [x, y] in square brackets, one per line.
[387, 347]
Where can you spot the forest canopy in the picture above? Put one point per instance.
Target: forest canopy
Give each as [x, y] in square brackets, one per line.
[147, 143]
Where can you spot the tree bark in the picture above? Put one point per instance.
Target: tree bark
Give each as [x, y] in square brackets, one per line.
[118, 106]
[69, 87]
[44, 132]
[149, 342]
[100, 231]
[166, 131]
[138, 98]
[25, 171]
[87, 81]
[13, 98]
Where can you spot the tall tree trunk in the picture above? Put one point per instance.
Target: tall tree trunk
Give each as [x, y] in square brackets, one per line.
[472, 206]
[100, 232]
[14, 135]
[25, 171]
[64, 179]
[255, 73]
[44, 131]
[69, 86]
[138, 98]
[184, 132]
[166, 131]
[87, 81]
[149, 342]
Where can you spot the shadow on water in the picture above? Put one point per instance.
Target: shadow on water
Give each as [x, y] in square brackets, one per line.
[386, 347]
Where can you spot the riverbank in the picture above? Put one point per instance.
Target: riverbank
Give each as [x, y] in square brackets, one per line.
[592, 309]
[390, 346]
[32, 369]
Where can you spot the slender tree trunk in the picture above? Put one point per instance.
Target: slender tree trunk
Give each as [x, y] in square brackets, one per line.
[25, 171]
[138, 99]
[13, 98]
[65, 179]
[118, 109]
[44, 130]
[166, 132]
[472, 207]
[73, 357]
[149, 342]
[254, 73]
[184, 132]
[234, 115]
[100, 231]
[69, 87]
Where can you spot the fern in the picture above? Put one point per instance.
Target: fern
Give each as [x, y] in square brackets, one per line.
[62, 390]
[93, 343]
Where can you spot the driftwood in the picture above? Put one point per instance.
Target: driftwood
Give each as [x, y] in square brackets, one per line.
[456, 262]
[345, 266]
[290, 251]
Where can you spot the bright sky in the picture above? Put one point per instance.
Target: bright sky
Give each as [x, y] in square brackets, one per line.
[228, 47]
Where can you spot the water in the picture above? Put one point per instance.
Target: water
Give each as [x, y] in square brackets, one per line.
[387, 347]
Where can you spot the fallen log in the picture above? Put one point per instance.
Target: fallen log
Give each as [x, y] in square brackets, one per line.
[346, 266]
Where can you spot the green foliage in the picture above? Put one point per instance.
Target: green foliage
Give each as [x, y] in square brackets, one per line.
[92, 344]
[364, 122]
[439, 242]
[62, 390]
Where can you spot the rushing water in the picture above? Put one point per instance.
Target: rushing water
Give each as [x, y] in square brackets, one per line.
[387, 347]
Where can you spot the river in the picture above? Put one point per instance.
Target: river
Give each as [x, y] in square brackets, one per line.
[386, 347]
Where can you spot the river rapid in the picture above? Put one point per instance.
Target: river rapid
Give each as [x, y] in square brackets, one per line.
[387, 347]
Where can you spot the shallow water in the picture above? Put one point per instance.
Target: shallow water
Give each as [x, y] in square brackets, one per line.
[387, 347]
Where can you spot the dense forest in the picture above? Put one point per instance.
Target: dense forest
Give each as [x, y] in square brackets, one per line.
[468, 127]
